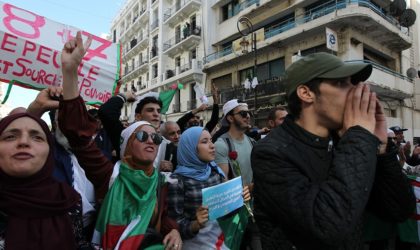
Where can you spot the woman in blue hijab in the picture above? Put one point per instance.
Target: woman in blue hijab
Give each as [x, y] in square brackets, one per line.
[196, 170]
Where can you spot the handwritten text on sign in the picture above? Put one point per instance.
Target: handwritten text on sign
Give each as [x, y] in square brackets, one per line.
[223, 198]
[30, 47]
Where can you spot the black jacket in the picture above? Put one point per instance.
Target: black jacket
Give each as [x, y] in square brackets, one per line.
[310, 194]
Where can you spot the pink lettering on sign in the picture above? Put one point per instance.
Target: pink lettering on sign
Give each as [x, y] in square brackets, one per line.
[91, 53]
[11, 17]
[8, 40]
[87, 89]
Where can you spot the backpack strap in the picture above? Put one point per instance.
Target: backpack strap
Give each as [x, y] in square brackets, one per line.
[227, 139]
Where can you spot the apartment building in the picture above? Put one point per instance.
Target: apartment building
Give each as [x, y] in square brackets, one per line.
[366, 30]
[161, 45]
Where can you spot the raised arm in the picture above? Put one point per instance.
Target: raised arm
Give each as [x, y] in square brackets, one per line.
[75, 122]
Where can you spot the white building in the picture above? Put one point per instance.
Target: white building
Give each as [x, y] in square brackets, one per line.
[157, 53]
[367, 30]
[161, 45]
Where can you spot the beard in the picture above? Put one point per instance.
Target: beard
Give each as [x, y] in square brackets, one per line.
[240, 126]
[61, 139]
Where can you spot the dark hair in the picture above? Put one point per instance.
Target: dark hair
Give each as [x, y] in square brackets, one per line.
[294, 103]
[93, 112]
[146, 100]
[272, 113]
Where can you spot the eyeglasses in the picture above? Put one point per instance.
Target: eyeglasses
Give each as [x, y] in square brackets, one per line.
[143, 137]
[243, 113]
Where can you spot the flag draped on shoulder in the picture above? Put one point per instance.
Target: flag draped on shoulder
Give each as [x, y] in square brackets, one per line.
[233, 227]
[127, 209]
[409, 231]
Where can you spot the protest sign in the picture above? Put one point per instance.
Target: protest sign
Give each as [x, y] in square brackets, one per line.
[223, 198]
[30, 47]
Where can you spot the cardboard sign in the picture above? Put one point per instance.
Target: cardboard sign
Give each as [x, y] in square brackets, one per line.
[223, 198]
[30, 47]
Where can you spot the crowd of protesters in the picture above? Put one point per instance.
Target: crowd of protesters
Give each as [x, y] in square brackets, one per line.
[326, 173]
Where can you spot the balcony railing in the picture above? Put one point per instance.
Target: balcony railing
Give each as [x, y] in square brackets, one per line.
[309, 15]
[155, 24]
[177, 39]
[224, 52]
[243, 5]
[267, 88]
[384, 69]
[179, 5]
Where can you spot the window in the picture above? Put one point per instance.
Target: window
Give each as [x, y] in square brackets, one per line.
[178, 61]
[228, 10]
[154, 70]
[271, 70]
[193, 54]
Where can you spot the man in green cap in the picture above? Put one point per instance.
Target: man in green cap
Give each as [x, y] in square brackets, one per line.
[328, 163]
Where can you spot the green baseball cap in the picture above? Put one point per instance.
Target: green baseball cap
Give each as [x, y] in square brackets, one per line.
[324, 65]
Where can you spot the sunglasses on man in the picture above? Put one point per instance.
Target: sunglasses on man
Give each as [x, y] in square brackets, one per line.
[243, 113]
[143, 136]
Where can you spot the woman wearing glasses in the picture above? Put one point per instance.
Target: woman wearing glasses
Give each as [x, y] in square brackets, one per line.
[133, 213]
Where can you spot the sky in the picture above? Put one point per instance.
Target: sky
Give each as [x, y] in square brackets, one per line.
[93, 16]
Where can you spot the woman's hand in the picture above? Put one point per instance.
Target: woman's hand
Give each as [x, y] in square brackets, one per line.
[172, 240]
[246, 194]
[202, 215]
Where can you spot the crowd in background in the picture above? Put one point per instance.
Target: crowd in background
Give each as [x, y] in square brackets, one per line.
[326, 173]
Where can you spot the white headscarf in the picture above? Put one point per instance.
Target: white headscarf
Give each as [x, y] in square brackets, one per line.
[126, 133]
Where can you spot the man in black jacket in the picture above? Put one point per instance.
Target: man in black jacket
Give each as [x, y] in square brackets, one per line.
[319, 172]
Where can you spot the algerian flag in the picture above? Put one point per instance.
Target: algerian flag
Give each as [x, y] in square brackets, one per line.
[166, 98]
[233, 227]
[409, 231]
[126, 210]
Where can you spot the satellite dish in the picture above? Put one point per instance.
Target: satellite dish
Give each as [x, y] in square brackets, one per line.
[397, 7]
[411, 73]
[407, 18]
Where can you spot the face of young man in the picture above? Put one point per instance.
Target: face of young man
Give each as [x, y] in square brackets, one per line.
[399, 137]
[240, 118]
[150, 113]
[330, 103]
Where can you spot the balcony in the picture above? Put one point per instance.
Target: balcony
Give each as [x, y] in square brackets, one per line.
[139, 46]
[133, 27]
[134, 72]
[191, 71]
[154, 81]
[190, 39]
[366, 17]
[216, 55]
[154, 25]
[389, 84]
[191, 104]
[176, 107]
[154, 52]
[179, 11]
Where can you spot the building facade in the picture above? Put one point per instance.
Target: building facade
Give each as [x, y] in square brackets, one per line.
[166, 42]
[366, 30]
[161, 45]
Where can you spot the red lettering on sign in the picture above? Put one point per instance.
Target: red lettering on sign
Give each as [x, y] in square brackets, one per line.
[20, 62]
[6, 65]
[93, 71]
[29, 46]
[7, 39]
[42, 52]
[56, 60]
[35, 25]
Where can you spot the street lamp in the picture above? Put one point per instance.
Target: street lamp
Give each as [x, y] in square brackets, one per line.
[249, 29]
